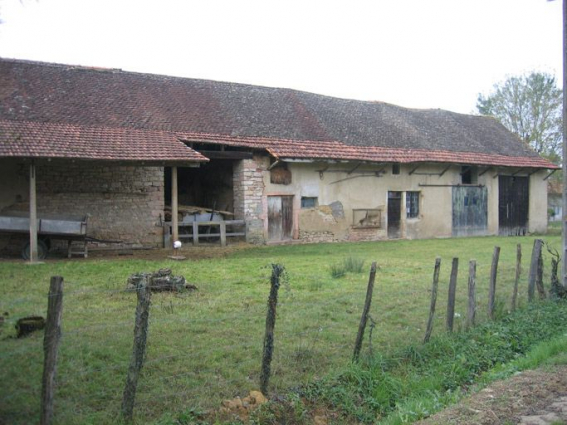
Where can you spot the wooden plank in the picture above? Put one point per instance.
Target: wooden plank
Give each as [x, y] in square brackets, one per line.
[226, 154]
[471, 310]
[451, 296]
[195, 233]
[277, 271]
[33, 215]
[51, 341]
[518, 272]
[434, 287]
[174, 210]
[274, 218]
[223, 233]
[365, 311]
[492, 288]
[287, 217]
[536, 254]
[138, 349]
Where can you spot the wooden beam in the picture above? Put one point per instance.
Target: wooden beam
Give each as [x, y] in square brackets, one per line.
[33, 215]
[174, 206]
[550, 174]
[533, 172]
[445, 170]
[484, 172]
[227, 154]
[518, 172]
[354, 168]
[414, 170]
[275, 164]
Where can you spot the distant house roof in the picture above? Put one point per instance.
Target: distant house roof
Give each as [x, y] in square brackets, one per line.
[277, 119]
[25, 139]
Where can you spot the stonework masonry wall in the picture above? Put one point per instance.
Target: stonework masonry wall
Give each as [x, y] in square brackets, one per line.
[123, 202]
[248, 189]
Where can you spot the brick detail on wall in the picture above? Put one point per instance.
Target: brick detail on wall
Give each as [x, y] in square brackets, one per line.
[368, 234]
[248, 186]
[123, 202]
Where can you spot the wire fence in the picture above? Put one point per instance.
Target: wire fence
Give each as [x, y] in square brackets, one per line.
[201, 350]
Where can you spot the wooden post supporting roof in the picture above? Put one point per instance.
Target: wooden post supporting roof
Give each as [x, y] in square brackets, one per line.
[33, 216]
[174, 203]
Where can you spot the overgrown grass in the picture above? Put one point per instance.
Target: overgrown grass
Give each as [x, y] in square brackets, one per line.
[348, 265]
[419, 380]
[205, 346]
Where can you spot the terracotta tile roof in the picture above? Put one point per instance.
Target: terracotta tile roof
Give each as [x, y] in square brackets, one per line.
[314, 150]
[31, 91]
[25, 139]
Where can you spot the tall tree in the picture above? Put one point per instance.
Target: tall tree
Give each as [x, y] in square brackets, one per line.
[531, 106]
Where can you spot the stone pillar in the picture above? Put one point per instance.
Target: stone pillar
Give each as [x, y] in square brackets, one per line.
[248, 186]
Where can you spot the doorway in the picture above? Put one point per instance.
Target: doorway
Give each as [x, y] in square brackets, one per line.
[280, 218]
[513, 205]
[394, 214]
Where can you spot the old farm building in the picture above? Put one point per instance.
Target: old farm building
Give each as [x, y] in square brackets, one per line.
[113, 146]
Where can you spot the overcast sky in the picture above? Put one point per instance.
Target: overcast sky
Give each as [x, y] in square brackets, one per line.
[413, 53]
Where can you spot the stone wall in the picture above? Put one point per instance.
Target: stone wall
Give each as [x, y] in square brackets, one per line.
[123, 202]
[248, 186]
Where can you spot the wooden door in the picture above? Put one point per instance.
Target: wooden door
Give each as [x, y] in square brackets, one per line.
[394, 214]
[513, 205]
[280, 218]
[470, 211]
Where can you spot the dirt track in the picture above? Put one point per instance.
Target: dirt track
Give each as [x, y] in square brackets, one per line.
[529, 398]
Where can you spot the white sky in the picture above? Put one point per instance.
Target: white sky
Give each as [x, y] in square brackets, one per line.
[413, 53]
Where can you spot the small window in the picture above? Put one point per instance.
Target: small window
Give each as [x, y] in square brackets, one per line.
[308, 201]
[469, 175]
[396, 168]
[412, 204]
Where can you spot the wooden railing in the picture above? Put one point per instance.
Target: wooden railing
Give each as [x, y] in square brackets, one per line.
[214, 229]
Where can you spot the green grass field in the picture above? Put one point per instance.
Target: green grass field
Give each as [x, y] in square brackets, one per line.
[205, 346]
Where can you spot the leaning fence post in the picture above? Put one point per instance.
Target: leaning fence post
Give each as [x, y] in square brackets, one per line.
[139, 349]
[451, 297]
[492, 288]
[518, 272]
[365, 311]
[434, 286]
[472, 296]
[51, 340]
[536, 254]
[277, 271]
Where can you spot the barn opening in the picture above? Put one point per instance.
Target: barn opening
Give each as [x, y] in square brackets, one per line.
[208, 187]
[513, 205]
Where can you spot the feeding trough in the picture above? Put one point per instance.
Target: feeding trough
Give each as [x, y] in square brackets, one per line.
[49, 227]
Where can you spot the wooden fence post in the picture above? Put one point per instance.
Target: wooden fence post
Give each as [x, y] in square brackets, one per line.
[451, 297]
[51, 339]
[536, 254]
[471, 312]
[139, 348]
[492, 288]
[539, 276]
[434, 286]
[518, 272]
[365, 311]
[277, 271]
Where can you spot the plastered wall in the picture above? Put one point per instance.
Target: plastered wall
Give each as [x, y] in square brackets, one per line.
[332, 184]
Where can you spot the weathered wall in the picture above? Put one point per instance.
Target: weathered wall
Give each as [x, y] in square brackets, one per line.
[123, 202]
[538, 203]
[363, 190]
